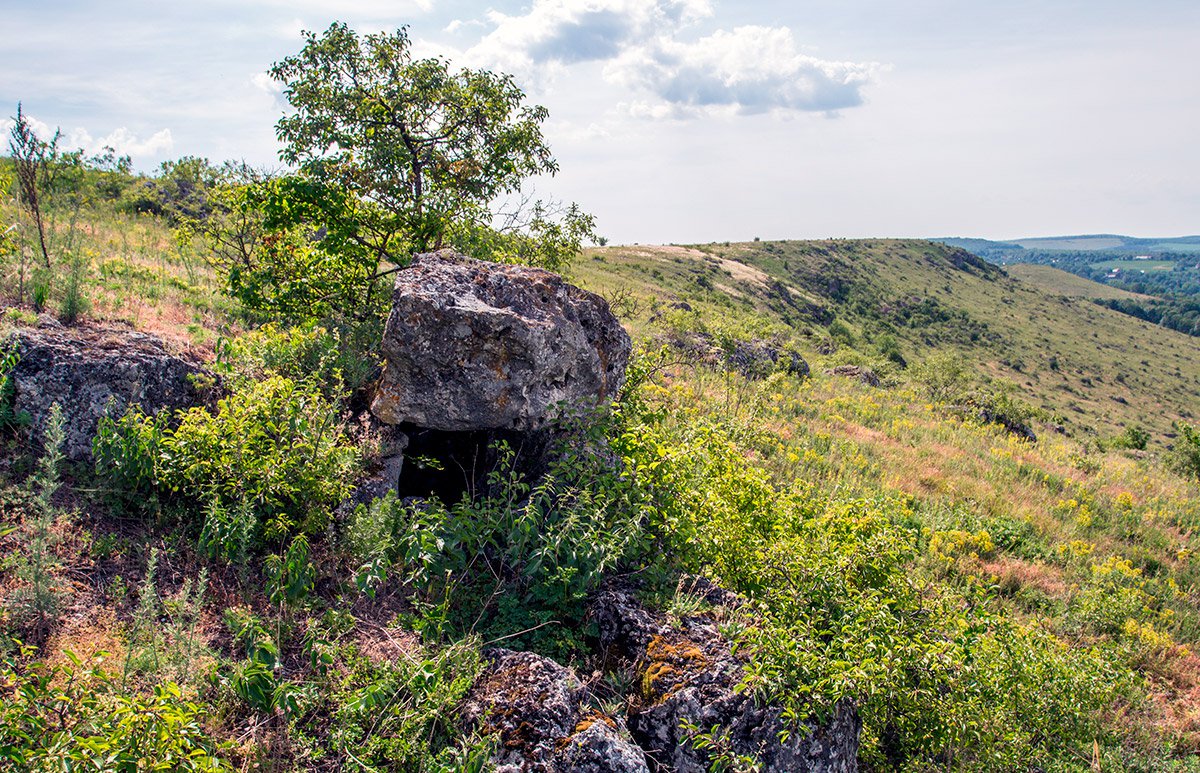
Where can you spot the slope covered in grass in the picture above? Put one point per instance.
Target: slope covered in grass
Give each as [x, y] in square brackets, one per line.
[1093, 370]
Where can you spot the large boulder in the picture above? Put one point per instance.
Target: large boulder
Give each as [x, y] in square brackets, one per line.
[93, 371]
[689, 677]
[538, 709]
[472, 345]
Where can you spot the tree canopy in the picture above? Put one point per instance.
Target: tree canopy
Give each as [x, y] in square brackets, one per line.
[391, 155]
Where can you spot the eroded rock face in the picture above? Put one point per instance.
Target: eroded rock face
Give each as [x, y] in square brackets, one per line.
[865, 375]
[538, 709]
[91, 371]
[472, 345]
[687, 677]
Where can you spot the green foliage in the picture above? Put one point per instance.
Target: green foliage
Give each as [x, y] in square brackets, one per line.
[1185, 452]
[1134, 437]
[39, 595]
[397, 714]
[393, 155]
[418, 147]
[271, 462]
[850, 606]
[75, 302]
[71, 718]
[9, 418]
[334, 360]
[535, 551]
[945, 375]
[163, 639]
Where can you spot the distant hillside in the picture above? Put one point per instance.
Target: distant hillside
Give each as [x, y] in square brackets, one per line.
[1013, 250]
[1164, 273]
[1099, 370]
[1055, 280]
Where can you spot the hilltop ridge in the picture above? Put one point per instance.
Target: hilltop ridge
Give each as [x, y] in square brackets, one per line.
[1097, 370]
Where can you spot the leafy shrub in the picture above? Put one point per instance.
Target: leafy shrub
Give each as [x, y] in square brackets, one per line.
[536, 552]
[331, 358]
[945, 376]
[71, 718]
[851, 606]
[9, 418]
[1133, 437]
[1185, 452]
[272, 460]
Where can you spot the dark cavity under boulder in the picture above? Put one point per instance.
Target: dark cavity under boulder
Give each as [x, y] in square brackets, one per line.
[471, 345]
[538, 709]
[91, 372]
[688, 676]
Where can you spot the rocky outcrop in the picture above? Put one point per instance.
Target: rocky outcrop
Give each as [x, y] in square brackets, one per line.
[93, 371]
[857, 372]
[538, 710]
[688, 677]
[754, 359]
[472, 345]
[758, 359]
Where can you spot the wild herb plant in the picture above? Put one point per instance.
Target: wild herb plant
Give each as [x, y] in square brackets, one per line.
[37, 566]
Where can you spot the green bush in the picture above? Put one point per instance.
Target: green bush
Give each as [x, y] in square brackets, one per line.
[1185, 452]
[850, 606]
[272, 461]
[333, 359]
[9, 418]
[69, 718]
[513, 558]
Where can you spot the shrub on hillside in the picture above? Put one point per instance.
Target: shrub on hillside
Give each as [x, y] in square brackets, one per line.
[70, 718]
[273, 460]
[1185, 453]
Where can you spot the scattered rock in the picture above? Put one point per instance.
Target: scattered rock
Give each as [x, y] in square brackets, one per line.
[386, 460]
[537, 708]
[865, 375]
[688, 677]
[472, 345]
[94, 371]
[1012, 426]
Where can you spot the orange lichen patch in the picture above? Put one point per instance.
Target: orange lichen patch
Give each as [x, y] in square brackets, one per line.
[670, 662]
[1014, 574]
[589, 719]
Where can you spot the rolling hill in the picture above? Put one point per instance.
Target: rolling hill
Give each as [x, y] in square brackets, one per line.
[1097, 371]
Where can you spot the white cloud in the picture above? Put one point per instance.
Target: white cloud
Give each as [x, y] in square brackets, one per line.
[564, 32]
[747, 70]
[266, 84]
[751, 69]
[123, 141]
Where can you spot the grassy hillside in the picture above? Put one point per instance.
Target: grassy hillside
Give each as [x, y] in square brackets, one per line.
[1056, 281]
[988, 603]
[1092, 369]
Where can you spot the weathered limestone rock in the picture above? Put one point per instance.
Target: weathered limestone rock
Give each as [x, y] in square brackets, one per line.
[480, 346]
[91, 371]
[688, 676]
[537, 708]
[865, 375]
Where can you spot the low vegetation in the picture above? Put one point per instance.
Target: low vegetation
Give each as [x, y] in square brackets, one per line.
[911, 465]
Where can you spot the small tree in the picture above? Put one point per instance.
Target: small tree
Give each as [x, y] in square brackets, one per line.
[392, 155]
[33, 164]
[1185, 451]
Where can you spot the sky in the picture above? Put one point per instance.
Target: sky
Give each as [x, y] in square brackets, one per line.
[685, 121]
